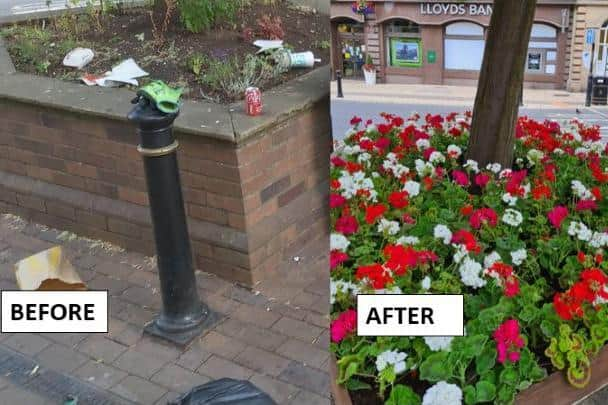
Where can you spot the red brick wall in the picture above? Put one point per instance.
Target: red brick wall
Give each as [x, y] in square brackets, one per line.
[248, 205]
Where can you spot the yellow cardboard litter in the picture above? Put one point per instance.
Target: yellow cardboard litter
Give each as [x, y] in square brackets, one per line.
[48, 270]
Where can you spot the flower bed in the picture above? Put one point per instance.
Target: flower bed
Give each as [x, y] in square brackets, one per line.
[525, 245]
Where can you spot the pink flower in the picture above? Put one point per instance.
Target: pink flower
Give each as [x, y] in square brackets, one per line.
[428, 152]
[337, 161]
[583, 205]
[482, 179]
[336, 258]
[345, 324]
[460, 177]
[557, 215]
[347, 225]
[336, 200]
[508, 341]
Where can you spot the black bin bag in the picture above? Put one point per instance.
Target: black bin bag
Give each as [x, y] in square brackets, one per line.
[225, 391]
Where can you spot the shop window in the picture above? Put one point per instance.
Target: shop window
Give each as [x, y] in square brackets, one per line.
[542, 50]
[351, 41]
[403, 43]
[463, 45]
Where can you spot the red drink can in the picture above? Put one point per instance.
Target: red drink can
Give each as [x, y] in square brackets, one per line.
[253, 101]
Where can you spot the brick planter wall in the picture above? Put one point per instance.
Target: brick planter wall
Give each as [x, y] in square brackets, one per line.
[255, 189]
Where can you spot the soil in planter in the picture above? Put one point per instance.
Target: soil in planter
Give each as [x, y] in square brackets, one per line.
[39, 47]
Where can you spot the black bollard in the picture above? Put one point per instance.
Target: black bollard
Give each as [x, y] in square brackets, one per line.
[182, 315]
[339, 80]
[589, 91]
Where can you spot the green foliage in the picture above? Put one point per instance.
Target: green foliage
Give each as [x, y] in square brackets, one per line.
[403, 395]
[201, 15]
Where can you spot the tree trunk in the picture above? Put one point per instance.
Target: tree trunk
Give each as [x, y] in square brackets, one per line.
[500, 82]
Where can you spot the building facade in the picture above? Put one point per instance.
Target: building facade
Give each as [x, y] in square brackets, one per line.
[440, 42]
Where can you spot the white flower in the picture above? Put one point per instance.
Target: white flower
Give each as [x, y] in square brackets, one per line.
[461, 253]
[494, 167]
[426, 283]
[390, 227]
[392, 165]
[472, 165]
[580, 230]
[534, 155]
[364, 157]
[443, 232]
[423, 144]
[371, 128]
[350, 184]
[599, 239]
[581, 151]
[491, 259]
[391, 290]
[509, 199]
[442, 393]
[436, 343]
[436, 157]
[407, 240]
[518, 256]
[424, 168]
[581, 191]
[412, 188]
[351, 150]
[519, 162]
[397, 359]
[337, 241]
[558, 151]
[470, 272]
[512, 217]
[454, 151]
[340, 285]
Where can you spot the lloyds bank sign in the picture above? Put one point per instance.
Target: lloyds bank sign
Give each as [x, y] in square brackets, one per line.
[455, 9]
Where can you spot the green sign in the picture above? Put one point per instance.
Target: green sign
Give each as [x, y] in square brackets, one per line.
[431, 56]
[405, 52]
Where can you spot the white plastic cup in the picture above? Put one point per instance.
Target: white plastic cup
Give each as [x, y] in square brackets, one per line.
[302, 59]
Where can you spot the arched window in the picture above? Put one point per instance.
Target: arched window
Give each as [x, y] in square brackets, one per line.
[463, 43]
[403, 43]
[542, 50]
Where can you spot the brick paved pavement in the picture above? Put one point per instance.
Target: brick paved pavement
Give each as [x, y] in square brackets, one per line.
[276, 335]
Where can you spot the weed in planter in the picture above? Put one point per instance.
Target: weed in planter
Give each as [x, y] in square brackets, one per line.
[196, 64]
[201, 15]
[160, 29]
[233, 76]
[271, 27]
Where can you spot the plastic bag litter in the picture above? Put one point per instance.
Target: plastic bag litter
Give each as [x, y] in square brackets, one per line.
[78, 57]
[225, 391]
[126, 72]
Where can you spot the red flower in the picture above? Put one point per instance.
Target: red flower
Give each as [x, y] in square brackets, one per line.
[428, 183]
[382, 143]
[336, 200]
[347, 225]
[466, 210]
[507, 278]
[353, 167]
[376, 274]
[398, 199]
[581, 257]
[513, 185]
[367, 144]
[482, 179]
[344, 325]
[408, 219]
[336, 258]
[427, 152]
[483, 216]
[400, 258]
[467, 239]
[584, 205]
[337, 161]
[541, 190]
[373, 212]
[460, 177]
[335, 184]
[597, 193]
[355, 120]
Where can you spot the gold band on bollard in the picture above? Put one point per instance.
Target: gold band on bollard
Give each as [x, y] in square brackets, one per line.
[165, 150]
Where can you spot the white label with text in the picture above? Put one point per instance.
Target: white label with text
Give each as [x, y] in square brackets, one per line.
[54, 311]
[410, 315]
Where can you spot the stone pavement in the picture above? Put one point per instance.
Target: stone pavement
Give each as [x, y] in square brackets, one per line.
[275, 335]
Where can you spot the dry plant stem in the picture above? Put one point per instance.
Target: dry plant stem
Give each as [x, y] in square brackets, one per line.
[159, 34]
